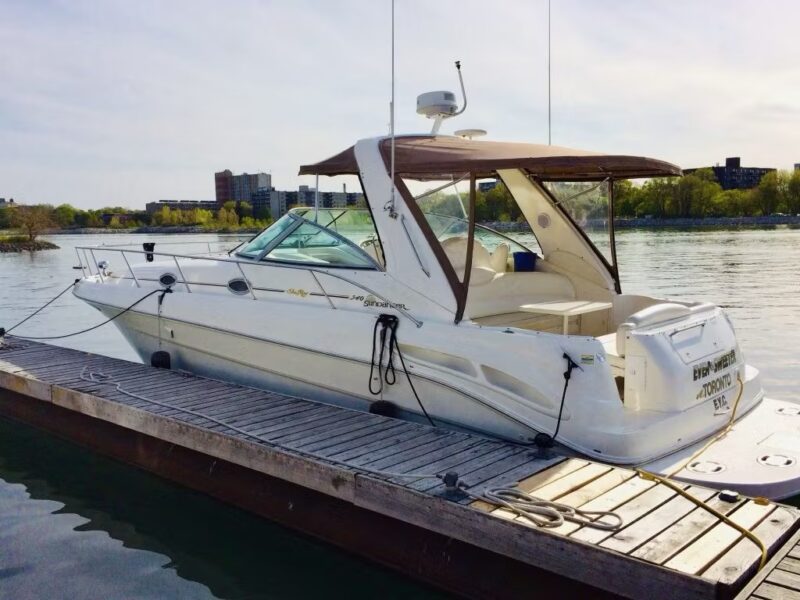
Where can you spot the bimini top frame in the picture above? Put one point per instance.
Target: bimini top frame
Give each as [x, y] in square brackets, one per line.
[438, 157]
[428, 158]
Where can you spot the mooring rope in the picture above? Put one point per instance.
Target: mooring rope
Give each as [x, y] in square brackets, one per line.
[667, 481]
[40, 309]
[3, 332]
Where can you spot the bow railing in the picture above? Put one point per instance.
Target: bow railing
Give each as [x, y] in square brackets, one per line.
[92, 267]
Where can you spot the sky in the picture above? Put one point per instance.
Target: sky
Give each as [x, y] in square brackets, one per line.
[110, 102]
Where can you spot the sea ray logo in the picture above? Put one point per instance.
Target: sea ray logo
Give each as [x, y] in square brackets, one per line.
[297, 292]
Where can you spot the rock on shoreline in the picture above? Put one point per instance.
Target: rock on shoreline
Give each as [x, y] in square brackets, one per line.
[26, 245]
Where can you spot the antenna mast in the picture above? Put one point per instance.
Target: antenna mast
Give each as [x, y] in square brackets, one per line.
[549, 110]
[391, 205]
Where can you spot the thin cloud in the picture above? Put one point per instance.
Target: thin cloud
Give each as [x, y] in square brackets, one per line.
[125, 103]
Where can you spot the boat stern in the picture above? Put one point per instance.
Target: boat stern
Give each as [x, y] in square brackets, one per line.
[758, 456]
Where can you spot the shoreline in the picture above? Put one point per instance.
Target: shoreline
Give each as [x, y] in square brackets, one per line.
[676, 223]
[143, 230]
[504, 226]
[9, 246]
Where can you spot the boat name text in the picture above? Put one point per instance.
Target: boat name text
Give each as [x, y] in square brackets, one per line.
[722, 362]
[721, 405]
[715, 386]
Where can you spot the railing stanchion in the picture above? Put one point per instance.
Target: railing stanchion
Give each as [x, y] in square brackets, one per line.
[88, 262]
[328, 298]
[94, 260]
[246, 280]
[80, 262]
[313, 271]
[130, 270]
[180, 272]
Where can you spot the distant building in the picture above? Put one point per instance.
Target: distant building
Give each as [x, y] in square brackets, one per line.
[6, 203]
[244, 185]
[733, 176]
[257, 189]
[154, 207]
[223, 184]
[239, 188]
[485, 186]
[278, 202]
[797, 166]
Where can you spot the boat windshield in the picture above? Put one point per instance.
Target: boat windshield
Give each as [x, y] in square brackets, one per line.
[295, 239]
[587, 204]
[445, 208]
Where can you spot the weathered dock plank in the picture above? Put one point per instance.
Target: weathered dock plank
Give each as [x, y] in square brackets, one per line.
[779, 580]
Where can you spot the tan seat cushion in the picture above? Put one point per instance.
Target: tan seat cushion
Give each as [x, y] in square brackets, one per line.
[506, 292]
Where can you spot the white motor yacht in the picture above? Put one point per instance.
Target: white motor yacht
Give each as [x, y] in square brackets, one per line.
[409, 307]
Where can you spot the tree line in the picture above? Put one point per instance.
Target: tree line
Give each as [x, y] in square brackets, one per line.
[696, 195]
[699, 195]
[34, 219]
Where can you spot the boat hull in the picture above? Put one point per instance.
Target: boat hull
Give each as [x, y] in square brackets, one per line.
[337, 370]
[289, 369]
[758, 457]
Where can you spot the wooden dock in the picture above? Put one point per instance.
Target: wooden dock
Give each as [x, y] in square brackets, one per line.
[334, 473]
[780, 579]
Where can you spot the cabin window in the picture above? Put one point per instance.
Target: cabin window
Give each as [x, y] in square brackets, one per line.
[295, 239]
[445, 206]
[258, 244]
[587, 204]
[313, 245]
[354, 224]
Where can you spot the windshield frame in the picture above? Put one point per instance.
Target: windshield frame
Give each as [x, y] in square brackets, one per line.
[611, 266]
[489, 229]
[461, 288]
[299, 221]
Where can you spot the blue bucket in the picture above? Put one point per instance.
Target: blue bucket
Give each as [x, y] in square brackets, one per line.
[525, 261]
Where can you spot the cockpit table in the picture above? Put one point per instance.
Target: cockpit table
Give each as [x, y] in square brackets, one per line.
[565, 309]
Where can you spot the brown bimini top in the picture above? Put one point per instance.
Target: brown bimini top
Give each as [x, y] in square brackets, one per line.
[439, 157]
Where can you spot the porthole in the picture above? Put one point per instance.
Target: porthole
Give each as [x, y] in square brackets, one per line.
[543, 220]
[168, 280]
[238, 286]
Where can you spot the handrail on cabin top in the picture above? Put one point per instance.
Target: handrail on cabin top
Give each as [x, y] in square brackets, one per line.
[240, 264]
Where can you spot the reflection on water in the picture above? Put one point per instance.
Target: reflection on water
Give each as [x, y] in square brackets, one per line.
[76, 525]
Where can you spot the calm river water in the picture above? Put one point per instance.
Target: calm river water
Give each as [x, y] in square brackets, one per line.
[76, 525]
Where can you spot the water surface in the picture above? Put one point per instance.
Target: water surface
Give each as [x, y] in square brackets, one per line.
[76, 525]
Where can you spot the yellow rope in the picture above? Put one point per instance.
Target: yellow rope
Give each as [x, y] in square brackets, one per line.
[667, 481]
[716, 438]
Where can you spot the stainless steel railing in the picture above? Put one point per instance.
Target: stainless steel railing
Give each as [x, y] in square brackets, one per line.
[89, 266]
